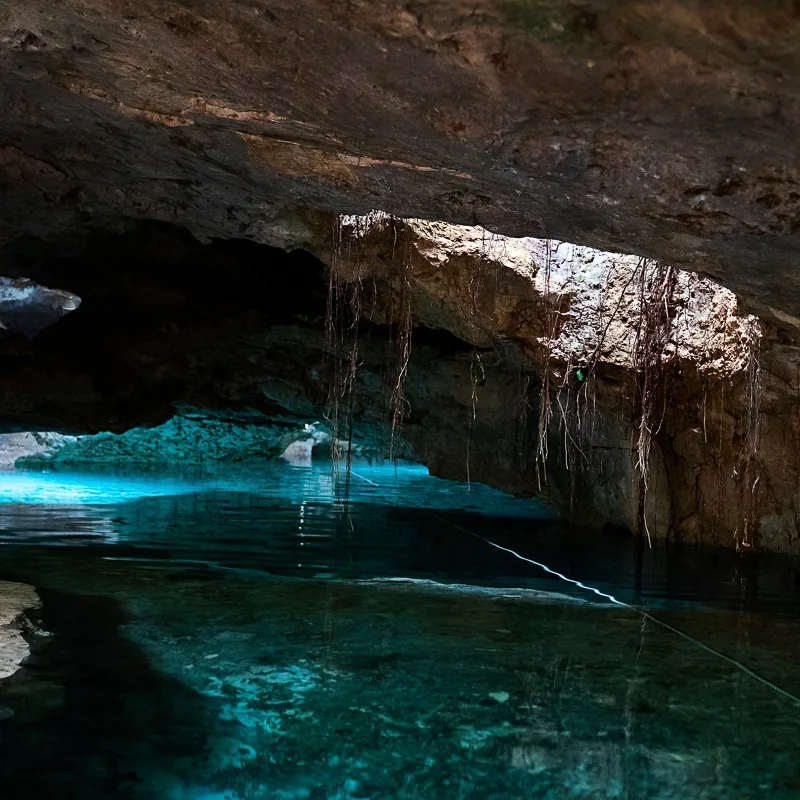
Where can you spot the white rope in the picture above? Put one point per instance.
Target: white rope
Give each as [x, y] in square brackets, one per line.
[646, 614]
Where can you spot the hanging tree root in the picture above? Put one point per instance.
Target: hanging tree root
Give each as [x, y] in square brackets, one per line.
[650, 286]
[572, 392]
[342, 318]
[400, 328]
[656, 287]
[748, 468]
[353, 304]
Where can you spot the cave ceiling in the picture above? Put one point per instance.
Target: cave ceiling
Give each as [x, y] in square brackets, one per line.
[665, 128]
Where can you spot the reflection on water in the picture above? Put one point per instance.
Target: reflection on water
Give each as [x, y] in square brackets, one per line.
[244, 635]
[397, 522]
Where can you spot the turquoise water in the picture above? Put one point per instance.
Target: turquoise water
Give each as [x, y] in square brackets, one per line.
[244, 634]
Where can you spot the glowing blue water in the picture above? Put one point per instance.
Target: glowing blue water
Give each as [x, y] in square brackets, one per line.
[242, 634]
[398, 522]
[75, 489]
[402, 485]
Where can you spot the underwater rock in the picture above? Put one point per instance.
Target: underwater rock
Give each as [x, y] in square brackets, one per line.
[15, 600]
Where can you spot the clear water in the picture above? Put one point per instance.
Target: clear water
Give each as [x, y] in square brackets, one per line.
[240, 634]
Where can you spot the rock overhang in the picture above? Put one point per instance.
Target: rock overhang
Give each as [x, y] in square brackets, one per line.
[662, 128]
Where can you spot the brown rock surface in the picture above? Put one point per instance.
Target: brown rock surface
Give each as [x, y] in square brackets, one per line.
[660, 127]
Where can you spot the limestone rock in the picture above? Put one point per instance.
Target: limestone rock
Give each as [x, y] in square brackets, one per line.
[27, 308]
[14, 446]
[15, 600]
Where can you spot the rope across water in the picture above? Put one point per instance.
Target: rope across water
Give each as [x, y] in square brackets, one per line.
[645, 614]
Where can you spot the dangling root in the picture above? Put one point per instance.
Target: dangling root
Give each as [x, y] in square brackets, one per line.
[545, 402]
[353, 265]
[342, 319]
[749, 467]
[475, 369]
[401, 319]
[656, 286]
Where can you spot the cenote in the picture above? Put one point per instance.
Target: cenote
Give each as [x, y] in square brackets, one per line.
[399, 401]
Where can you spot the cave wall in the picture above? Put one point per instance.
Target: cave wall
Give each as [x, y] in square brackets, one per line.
[556, 393]
[496, 328]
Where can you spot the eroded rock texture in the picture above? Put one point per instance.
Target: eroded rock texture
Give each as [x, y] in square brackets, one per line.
[27, 308]
[660, 127]
[15, 600]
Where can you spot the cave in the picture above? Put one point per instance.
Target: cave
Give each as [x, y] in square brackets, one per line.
[399, 400]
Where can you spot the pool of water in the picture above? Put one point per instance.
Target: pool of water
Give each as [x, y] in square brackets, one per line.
[244, 633]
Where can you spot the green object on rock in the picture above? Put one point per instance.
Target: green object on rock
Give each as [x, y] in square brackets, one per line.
[579, 375]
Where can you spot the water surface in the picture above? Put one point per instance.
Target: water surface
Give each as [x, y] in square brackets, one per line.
[244, 634]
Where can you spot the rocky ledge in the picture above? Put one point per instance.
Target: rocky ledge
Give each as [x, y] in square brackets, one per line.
[15, 600]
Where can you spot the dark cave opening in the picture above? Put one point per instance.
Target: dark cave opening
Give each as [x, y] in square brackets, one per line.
[165, 320]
